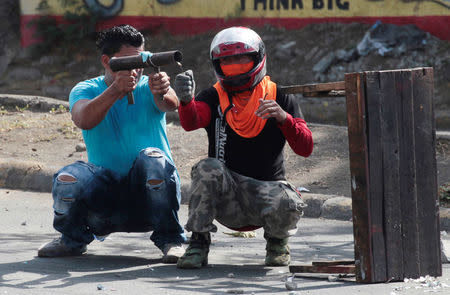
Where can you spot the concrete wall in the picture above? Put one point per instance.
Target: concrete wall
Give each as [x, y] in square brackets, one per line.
[195, 16]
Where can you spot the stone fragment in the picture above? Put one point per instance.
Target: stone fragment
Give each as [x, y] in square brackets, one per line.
[81, 147]
[323, 64]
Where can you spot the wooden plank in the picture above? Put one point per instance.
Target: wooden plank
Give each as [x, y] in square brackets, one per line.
[391, 178]
[374, 138]
[347, 269]
[408, 195]
[320, 87]
[354, 88]
[426, 179]
[332, 93]
[335, 262]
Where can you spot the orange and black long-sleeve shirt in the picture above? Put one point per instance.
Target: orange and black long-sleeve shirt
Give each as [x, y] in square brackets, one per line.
[259, 157]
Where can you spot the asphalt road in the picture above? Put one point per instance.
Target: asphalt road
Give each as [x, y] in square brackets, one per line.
[128, 263]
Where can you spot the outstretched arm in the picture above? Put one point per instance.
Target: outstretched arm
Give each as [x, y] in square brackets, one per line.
[193, 114]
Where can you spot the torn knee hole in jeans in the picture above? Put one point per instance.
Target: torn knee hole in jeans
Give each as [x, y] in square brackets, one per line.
[66, 177]
[155, 184]
[153, 153]
[58, 213]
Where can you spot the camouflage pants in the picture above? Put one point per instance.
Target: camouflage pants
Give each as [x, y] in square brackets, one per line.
[237, 201]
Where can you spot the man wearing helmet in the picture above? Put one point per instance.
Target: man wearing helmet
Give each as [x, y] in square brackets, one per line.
[242, 183]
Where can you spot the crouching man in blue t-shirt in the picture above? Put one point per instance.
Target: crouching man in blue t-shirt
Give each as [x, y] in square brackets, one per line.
[130, 183]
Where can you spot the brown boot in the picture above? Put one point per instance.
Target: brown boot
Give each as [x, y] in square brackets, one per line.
[196, 254]
[277, 252]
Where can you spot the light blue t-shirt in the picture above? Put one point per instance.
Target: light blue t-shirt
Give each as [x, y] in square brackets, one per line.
[127, 129]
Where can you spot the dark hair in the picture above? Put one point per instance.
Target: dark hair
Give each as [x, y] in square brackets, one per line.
[110, 41]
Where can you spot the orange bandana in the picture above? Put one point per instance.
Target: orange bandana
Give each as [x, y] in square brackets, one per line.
[241, 117]
[236, 69]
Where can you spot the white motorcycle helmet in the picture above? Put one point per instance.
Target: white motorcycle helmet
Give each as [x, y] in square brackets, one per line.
[237, 41]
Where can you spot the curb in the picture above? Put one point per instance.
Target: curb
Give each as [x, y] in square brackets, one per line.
[26, 175]
[35, 103]
[33, 176]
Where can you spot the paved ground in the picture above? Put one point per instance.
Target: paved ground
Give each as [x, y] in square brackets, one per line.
[130, 264]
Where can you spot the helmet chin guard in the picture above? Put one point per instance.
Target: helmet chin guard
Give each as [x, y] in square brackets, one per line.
[238, 41]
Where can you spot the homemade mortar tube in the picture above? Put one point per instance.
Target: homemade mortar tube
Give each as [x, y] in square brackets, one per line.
[156, 60]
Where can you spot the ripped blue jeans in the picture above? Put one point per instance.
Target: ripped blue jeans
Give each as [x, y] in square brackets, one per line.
[92, 201]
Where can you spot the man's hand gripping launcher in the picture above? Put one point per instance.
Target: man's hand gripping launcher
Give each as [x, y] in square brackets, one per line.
[145, 59]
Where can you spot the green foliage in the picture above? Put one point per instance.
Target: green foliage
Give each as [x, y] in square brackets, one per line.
[444, 193]
[59, 110]
[78, 25]
[22, 109]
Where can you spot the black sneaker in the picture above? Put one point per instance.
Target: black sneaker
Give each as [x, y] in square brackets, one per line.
[172, 252]
[57, 248]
